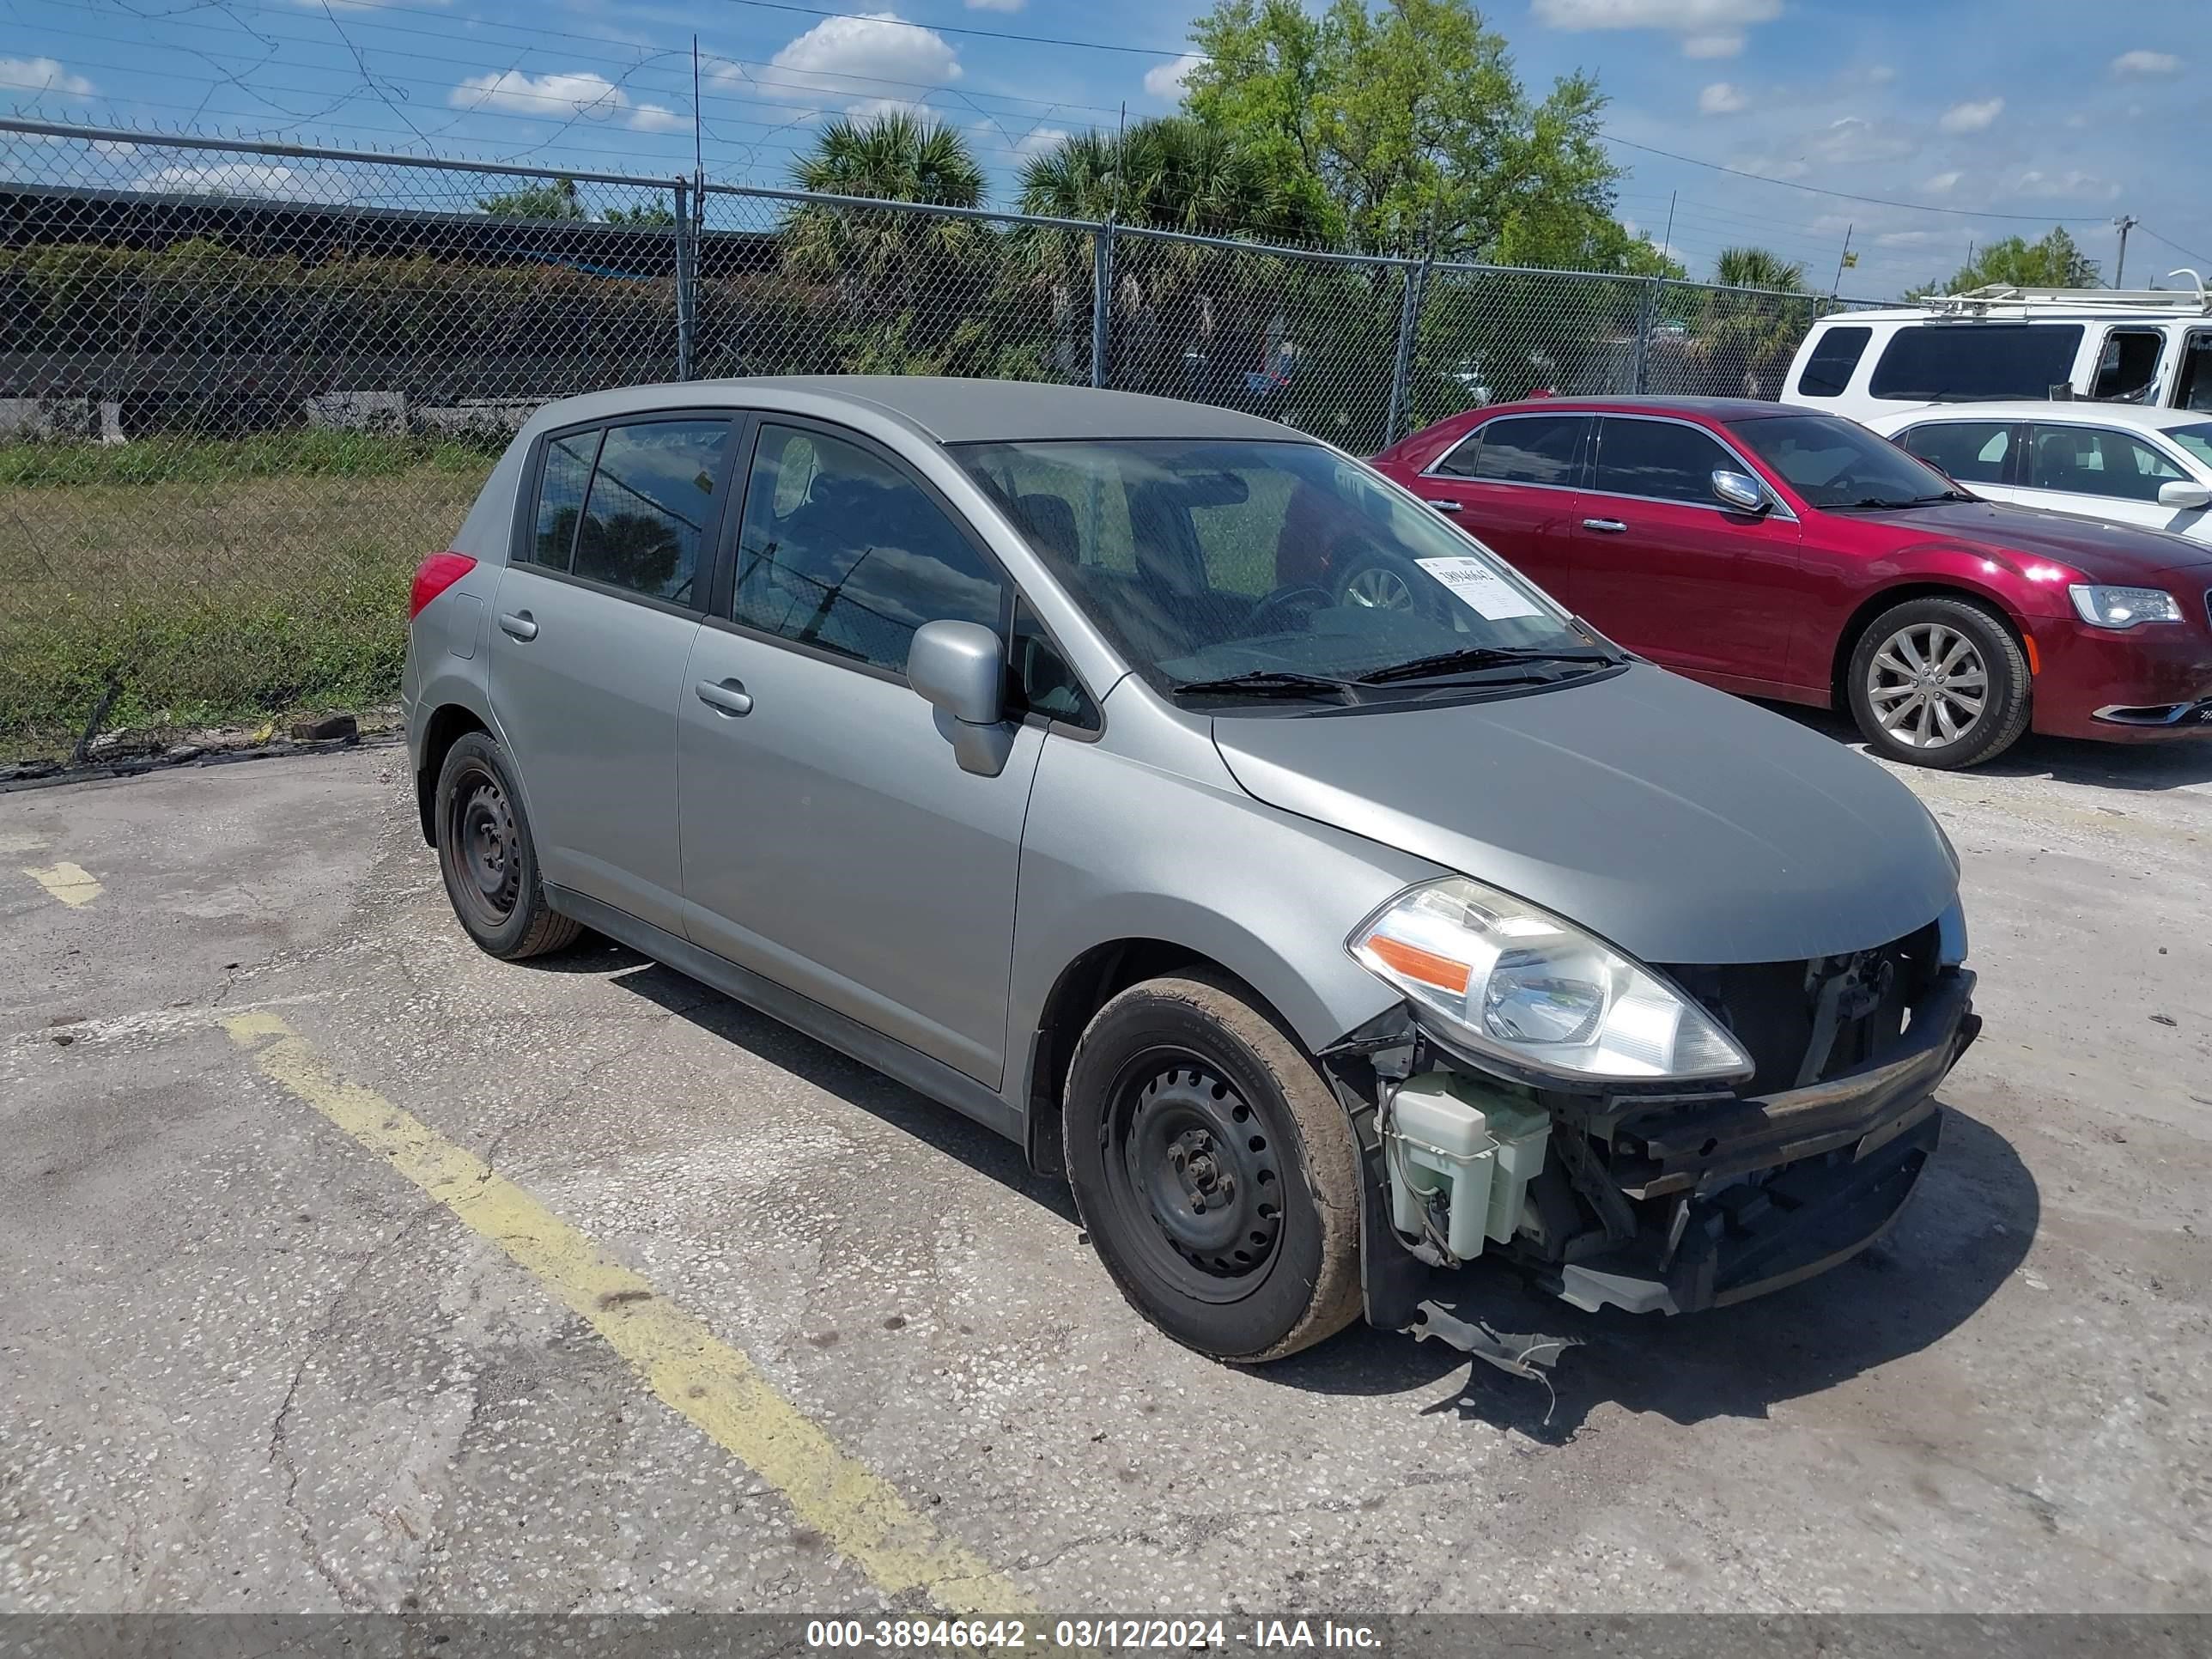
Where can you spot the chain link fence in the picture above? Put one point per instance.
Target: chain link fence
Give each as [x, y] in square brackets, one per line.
[244, 389]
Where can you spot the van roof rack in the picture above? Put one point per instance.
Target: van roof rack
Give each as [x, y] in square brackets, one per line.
[1979, 301]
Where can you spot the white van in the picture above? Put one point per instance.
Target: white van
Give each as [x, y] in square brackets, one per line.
[2151, 347]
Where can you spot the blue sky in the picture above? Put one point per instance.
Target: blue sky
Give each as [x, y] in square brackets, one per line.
[2042, 109]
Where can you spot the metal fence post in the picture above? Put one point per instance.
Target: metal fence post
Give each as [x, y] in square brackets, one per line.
[1102, 299]
[1647, 316]
[688, 202]
[1401, 368]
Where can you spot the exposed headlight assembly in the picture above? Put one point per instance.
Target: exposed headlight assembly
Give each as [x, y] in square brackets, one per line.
[1510, 981]
[2122, 607]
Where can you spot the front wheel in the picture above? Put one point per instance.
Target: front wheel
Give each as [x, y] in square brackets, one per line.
[1939, 682]
[1215, 1171]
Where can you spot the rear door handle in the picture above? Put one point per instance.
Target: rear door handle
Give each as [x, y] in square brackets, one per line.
[519, 625]
[1611, 526]
[1445, 507]
[726, 696]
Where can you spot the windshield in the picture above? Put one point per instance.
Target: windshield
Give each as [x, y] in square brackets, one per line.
[1835, 463]
[1280, 567]
[2197, 440]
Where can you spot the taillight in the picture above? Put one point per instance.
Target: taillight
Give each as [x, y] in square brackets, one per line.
[434, 576]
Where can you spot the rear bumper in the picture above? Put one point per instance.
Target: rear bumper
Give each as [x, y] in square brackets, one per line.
[1756, 1195]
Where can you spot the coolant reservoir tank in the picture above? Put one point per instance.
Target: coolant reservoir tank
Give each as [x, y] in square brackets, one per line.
[1466, 1150]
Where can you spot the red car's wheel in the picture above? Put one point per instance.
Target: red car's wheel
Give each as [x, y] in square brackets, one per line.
[1939, 682]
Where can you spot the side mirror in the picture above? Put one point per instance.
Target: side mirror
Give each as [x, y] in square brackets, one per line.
[1740, 491]
[2184, 493]
[959, 669]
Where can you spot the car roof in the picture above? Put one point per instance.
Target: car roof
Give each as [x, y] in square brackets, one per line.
[1711, 409]
[953, 410]
[2073, 412]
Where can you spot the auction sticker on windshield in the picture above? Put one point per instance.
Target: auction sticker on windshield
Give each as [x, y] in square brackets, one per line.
[1481, 589]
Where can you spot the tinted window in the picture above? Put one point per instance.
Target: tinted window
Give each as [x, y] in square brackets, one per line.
[2096, 461]
[1659, 458]
[1828, 368]
[843, 551]
[1931, 362]
[1835, 463]
[567, 475]
[651, 508]
[1529, 449]
[1048, 685]
[2197, 440]
[2127, 370]
[1972, 452]
[2192, 387]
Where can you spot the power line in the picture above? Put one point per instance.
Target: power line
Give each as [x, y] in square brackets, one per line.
[2170, 242]
[987, 34]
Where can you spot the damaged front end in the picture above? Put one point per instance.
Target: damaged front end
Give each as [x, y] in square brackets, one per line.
[1655, 1195]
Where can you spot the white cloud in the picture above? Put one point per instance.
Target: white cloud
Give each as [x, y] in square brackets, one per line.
[1855, 139]
[864, 65]
[1726, 43]
[1686, 16]
[1972, 117]
[1037, 139]
[996, 5]
[1721, 99]
[295, 184]
[555, 96]
[1881, 74]
[1912, 238]
[2074, 185]
[657, 118]
[1166, 80]
[2146, 66]
[41, 75]
[1941, 184]
[354, 5]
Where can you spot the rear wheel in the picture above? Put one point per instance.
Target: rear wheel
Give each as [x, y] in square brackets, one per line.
[1939, 682]
[487, 858]
[1215, 1171]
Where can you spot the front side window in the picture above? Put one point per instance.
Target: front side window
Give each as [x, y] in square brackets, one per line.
[1946, 362]
[1835, 355]
[561, 483]
[2084, 460]
[1839, 465]
[651, 508]
[1662, 460]
[1972, 452]
[2196, 438]
[1527, 449]
[2127, 371]
[1206, 562]
[843, 551]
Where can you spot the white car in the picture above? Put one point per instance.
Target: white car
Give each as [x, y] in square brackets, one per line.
[2113, 462]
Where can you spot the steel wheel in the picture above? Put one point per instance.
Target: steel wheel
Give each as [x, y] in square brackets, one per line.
[1188, 1160]
[1928, 685]
[1380, 588]
[482, 843]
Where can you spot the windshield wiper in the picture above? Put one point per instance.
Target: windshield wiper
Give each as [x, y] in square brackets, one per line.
[1878, 503]
[1270, 683]
[1472, 657]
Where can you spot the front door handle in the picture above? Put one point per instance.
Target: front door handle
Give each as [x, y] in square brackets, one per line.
[1445, 507]
[519, 625]
[1611, 526]
[726, 696]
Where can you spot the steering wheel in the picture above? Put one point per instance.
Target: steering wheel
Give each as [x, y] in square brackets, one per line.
[1312, 596]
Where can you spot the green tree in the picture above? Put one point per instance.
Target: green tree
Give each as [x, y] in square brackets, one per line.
[1395, 122]
[2054, 261]
[556, 200]
[1758, 267]
[652, 215]
[1750, 325]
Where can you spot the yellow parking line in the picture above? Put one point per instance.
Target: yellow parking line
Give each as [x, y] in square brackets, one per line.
[679, 1357]
[71, 884]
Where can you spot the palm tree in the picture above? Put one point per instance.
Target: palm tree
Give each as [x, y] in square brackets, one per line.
[1753, 320]
[896, 156]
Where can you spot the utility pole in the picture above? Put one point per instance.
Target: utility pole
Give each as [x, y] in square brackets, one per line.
[1667, 242]
[1841, 260]
[698, 152]
[2126, 222]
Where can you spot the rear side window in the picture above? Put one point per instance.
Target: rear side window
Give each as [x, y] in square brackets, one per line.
[1936, 362]
[1539, 449]
[651, 508]
[1661, 459]
[563, 482]
[1972, 452]
[1834, 356]
[841, 551]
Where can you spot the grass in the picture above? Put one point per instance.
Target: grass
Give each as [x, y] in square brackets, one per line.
[248, 582]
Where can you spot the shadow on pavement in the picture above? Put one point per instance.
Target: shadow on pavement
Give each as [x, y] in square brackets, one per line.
[2173, 764]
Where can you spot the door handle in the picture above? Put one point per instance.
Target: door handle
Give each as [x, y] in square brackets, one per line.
[1445, 507]
[726, 696]
[1611, 526]
[519, 625]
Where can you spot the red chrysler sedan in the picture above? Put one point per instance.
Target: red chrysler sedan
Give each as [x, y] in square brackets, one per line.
[1779, 553]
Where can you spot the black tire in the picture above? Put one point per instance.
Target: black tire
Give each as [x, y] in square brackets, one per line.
[1270, 1262]
[486, 856]
[1936, 723]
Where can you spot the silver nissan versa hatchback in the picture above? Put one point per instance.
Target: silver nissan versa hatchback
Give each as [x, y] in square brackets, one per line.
[996, 735]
